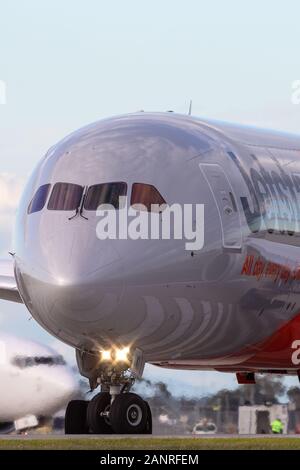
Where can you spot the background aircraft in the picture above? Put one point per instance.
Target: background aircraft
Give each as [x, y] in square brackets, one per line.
[35, 383]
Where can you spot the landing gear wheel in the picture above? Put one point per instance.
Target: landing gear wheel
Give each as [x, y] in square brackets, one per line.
[75, 417]
[128, 414]
[148, 429]
[99, 424]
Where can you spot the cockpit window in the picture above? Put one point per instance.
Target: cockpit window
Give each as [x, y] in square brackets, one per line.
[30, 361]
[65, 197]
[106, 193]
[146, 195]
[39, 199]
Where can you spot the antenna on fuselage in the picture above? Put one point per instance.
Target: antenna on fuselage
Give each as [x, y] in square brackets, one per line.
[190, 108]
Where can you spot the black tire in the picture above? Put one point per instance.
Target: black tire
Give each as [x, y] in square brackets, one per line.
[148, 429]
[75, 417]
[98, 424]
[128, 414]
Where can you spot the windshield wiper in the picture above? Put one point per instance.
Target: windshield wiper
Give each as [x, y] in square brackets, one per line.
[75, 215]
[81, 206]
[79, 209]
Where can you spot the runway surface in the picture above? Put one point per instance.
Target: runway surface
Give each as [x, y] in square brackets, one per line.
[135, 442]
[29, 437]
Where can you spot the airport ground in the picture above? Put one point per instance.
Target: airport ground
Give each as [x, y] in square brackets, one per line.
[223, 442]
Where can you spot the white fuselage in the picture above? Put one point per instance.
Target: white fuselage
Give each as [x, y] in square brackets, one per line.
[186, 309]
[34, 380]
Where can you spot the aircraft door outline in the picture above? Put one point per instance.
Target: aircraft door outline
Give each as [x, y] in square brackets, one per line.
[225, 200]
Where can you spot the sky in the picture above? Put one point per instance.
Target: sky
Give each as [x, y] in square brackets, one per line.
[67, 63]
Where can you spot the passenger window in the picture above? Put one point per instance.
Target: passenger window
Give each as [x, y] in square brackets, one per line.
[65, 197]
[30, 361]
[106, 193]
[39, 199]
[145, 194]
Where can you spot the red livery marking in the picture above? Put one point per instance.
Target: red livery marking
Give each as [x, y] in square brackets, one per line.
[247, 266]
[259, 268]
[276, 352]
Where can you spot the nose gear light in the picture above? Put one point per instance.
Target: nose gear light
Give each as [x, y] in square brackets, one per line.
[106, 355]
[122, 355]
[117, 355]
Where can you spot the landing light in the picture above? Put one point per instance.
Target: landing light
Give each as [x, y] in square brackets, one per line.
[115, 355]
[122, 355]
[106, 355]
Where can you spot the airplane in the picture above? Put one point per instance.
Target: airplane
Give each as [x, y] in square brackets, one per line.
[231, 304]
[35, 383]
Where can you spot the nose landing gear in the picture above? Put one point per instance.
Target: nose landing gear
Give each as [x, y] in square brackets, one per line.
[115, 410]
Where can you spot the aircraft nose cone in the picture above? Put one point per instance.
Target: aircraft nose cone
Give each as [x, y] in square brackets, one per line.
[74, 252]
[78, 279]
[77, 282]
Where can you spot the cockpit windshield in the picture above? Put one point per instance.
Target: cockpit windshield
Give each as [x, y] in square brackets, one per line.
[106, 193]
[39, 199]
[65, 197]
[71, 197]
[146, 197]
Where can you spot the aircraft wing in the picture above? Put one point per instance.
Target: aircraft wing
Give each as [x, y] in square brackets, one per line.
[8, 285]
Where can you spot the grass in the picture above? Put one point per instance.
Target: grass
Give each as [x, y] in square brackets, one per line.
[160, 443]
